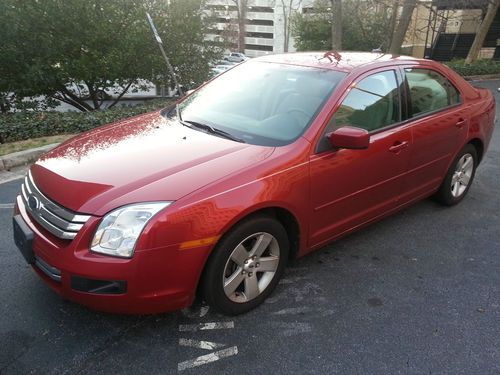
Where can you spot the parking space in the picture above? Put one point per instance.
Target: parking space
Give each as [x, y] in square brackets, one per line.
[416, 293]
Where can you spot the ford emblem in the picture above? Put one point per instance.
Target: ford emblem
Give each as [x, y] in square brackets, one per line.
[33, 202]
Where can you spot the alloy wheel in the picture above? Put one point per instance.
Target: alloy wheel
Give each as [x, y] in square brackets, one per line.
[251, 267]
[462, 176]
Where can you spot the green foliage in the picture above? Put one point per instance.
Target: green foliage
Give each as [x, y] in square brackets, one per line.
[312, 32]
[72, 50]
[479, 67]
[365, 26]
[19, 126]
[182, 28]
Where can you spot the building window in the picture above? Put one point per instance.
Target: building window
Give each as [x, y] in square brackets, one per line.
[256, 47]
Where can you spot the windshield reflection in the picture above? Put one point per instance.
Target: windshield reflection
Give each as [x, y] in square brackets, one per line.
[262, 103]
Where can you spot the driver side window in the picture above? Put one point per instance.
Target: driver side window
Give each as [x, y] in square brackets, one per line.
[373, 103]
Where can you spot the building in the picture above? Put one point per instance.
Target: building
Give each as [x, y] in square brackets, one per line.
[266, 21]
[445, 29]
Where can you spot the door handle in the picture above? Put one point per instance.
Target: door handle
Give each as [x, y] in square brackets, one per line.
[398, 146]
[460, 124]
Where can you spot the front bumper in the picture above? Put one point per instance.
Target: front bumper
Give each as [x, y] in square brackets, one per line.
[154, 280]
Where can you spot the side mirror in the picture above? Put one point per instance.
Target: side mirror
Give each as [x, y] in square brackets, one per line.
[349, 137]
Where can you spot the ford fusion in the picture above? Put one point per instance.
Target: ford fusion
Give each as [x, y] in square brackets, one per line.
[272, 159]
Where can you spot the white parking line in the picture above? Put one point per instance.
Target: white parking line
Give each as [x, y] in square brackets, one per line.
[205, 326]
[292, 310]
[207, 345]
[6, 205]
[295, 328]
[204, 359]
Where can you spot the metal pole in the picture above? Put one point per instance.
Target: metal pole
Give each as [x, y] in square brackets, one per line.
[160, 44]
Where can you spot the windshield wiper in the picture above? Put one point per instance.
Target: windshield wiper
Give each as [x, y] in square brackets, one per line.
[210, 129]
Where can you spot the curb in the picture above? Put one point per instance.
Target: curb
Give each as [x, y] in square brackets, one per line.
[484, 77]
[25, 157]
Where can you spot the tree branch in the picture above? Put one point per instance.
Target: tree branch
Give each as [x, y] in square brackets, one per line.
[121, 94]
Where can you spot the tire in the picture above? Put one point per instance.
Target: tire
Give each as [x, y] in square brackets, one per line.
[232, 282]
[459, 177]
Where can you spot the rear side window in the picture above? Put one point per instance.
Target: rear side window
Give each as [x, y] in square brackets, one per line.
[372, 104]
[429, 91]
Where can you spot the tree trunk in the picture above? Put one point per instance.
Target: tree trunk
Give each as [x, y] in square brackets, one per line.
[404, 21]
[4, 106]
[68, 97]
[393, 19]
[336, 25]
[242, 19]
[483, 30]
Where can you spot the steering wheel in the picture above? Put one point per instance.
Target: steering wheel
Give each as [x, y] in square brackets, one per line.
[295, 109]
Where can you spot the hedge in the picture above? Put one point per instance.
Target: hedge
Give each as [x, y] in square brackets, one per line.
[25, 125]
[480, 67]
[19, 126]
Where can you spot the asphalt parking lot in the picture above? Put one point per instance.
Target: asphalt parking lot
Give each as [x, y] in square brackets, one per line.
[416, 293]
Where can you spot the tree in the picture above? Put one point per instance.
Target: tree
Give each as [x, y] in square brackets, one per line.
[183, 27]
[483, 30]
[241, 11]
[312, 31]
[364, 26]
[76, 51]
[402, 26]
[288, 8]
[336, 25]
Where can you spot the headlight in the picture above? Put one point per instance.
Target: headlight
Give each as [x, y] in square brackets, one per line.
[119, 230]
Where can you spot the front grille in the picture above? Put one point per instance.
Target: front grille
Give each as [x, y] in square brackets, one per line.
[58, 220]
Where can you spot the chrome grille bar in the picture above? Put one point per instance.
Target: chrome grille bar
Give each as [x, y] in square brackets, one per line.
[58, 220]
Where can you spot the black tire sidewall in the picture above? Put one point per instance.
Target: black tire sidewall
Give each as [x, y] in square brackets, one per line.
[212, 287]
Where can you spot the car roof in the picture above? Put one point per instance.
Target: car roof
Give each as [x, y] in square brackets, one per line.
[343, 61]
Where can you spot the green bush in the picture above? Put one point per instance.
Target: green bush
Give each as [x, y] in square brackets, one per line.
[480, 67]
[23, 125]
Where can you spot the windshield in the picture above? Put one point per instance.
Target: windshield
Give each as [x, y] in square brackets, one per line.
[262, 103]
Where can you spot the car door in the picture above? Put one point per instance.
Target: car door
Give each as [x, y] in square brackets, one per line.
[438, 121]
[352, 187]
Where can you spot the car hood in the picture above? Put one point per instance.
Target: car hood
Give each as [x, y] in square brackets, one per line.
[145, 158]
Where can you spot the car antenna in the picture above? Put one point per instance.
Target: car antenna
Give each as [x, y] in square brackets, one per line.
[167, 61]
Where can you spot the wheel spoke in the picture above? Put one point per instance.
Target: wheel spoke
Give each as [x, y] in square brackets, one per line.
[239, 255]
[454, 179]
[268, 264]
[251, 287]
[261, 244]
[465, 180]
[233, 282]
[455, 188]
[466, 164]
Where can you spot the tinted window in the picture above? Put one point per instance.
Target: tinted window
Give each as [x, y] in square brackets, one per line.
[372, 104]
[429, 91]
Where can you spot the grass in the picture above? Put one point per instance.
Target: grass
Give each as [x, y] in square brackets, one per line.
[8, 148]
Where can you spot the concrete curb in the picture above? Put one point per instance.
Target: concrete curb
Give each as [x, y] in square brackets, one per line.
[25, 157]
[485, 77]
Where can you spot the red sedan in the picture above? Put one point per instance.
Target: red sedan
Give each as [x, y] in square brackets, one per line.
[272, 159]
